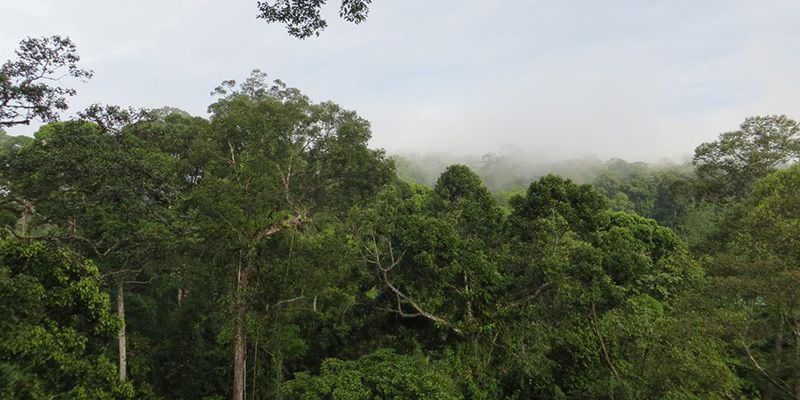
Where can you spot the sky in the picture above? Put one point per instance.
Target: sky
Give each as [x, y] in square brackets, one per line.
[635, 79]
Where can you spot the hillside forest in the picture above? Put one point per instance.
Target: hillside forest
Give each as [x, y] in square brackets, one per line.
[266, 251]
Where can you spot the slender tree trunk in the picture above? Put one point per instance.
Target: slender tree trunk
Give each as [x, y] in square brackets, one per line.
[239, 347]
[24, 222]
[255, 368]
[777, 353]
[603, 349]
[121, 338]
[796, 331]
[467, 294]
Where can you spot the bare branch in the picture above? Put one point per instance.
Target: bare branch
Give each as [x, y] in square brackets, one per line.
[763, 371]
[275, 228]
[287, 301]
[400, 297]
[531, 296]
[139, 282]
[603, 348]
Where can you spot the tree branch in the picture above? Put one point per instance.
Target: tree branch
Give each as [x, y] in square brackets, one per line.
[530, 296]
[400, 297]
[603, 348]
[763, 371]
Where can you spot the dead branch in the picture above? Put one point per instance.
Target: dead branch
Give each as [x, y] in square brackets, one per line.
[120, 271]
[603, 348]
[763, 371]
[138, 282]
[400, 297]
[531, 296]
[275, 228]
[287, 301]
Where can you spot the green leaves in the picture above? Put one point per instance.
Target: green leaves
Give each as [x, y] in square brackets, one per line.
[303, 18]
[274, 229]
[601, 281]
[54, 321]
[26, 92]
[383, 374]
[730, 166]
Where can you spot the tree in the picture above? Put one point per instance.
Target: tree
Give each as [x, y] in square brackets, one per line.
[30, 86]
[629, 186]
[430, 250]
[54, 323]
[588, 294]
[430, 257]
[380, 375]
[103, 194]
[758, 272]
[303, 17]
[111, 118]
[729, 166]
[275, 158]
[9, 144]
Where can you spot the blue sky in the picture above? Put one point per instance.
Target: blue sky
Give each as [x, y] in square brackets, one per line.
[551, 79]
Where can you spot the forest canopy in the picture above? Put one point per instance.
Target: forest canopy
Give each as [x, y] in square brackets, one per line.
[268, 251]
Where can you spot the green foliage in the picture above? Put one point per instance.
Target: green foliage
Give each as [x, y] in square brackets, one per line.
[303, 18]
[271, 243]
[600, 286]
[10, 144]
[730, 166]
[54, 322]
[26, 83]
[552, 196]
[383, 374]
[757, 272]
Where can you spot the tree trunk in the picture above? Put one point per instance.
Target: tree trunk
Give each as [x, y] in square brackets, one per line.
[239, 346]
[467, 295]
[777, 353]
[796, 331]
[121, 338]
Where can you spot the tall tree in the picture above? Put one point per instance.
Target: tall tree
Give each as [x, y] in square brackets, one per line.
[429, 250]
[729, 166]
[104, 195]
[758, 272]
[30, 86]
[587, 291]
[277, 158]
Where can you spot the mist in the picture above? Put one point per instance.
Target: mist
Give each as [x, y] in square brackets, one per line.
[552, 81]
[513, 171]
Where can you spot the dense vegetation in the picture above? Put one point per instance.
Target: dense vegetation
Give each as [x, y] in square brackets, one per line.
[268, 252]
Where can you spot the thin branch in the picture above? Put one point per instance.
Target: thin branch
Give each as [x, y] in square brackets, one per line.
[121, 271]
[530, 296]
[288, 301]
[400, 297]
[139, 282]
[603, 348]
[763, 371]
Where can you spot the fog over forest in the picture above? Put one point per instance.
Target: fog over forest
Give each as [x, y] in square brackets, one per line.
[556, 80]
